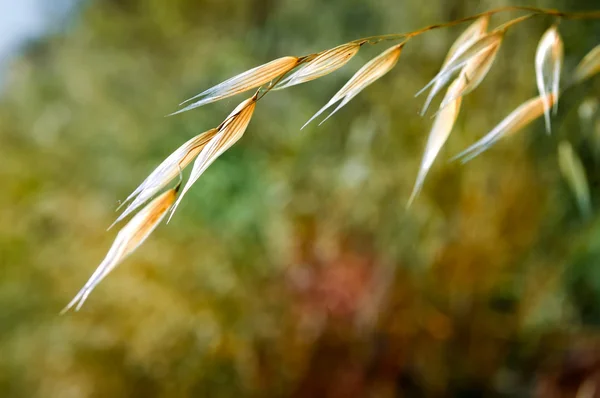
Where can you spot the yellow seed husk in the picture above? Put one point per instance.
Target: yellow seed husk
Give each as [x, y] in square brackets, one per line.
[548, 64]
[166, 172]
[229, 132]
[518, 119]
[476, 30]
[133, 234]
[248, 80]
[365, 76]
[459, 60]
[474, 72]
[442, 126]
[322, 64]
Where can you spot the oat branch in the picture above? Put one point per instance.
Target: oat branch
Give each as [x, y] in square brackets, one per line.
[465, 67]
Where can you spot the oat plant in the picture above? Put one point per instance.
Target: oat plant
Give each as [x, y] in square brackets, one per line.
[466, 65]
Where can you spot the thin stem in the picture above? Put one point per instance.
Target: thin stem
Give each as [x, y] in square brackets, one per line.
[533, 10]
[515, 21]
[273, 83]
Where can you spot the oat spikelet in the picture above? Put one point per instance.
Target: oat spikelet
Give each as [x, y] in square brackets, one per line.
[369, 73]
[442, 126]
[322, 64]
[243, 82]
[548, 64]
[573, 171]
[459, 60]
[165, 172]
[473, 33]
[474, 72]
[518, 119]
[128, 239]
[589, 65]
[229, 132]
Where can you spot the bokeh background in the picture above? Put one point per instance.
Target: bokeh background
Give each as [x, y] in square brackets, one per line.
[293, 267]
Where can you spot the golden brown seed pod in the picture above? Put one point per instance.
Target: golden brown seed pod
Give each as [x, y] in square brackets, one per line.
[166, 171]
[474, 72]
[460, 59]
[476, 30]
[248, 80]
[548, 64]
[228, 133]
[133, 234]
[442, 126]
[518, 119]
[322, 64]
[368, 74]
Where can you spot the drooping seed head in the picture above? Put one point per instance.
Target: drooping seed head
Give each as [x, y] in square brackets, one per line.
[228, 133]
[474, 72]
[459, 60]
[473, 33]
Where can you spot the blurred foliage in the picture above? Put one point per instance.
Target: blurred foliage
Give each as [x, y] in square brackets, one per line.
[293, 267]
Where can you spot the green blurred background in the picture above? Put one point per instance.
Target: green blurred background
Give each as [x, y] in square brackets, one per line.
[292, 267]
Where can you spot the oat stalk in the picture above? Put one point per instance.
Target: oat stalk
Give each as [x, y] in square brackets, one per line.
[468, 62]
